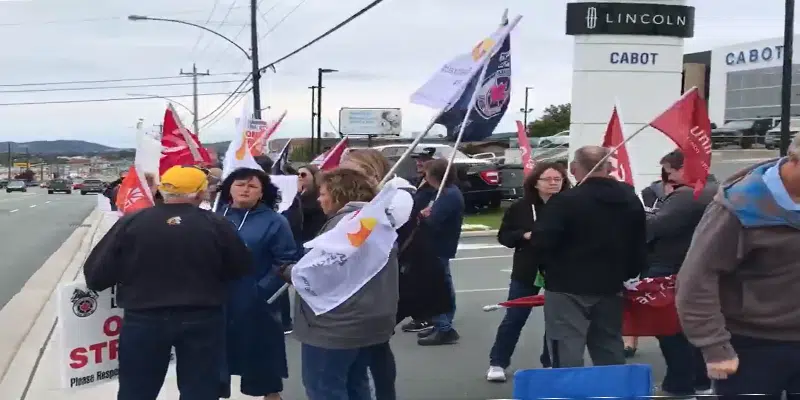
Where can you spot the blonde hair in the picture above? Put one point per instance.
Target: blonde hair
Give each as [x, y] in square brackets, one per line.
[345, 185]
[371, 162]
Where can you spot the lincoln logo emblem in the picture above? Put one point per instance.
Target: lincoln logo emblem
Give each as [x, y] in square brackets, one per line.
[591, 17]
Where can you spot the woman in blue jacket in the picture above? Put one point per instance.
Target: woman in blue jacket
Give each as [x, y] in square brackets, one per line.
[255, 341]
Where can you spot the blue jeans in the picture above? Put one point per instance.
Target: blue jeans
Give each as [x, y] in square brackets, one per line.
[336, 374]
[146, 339]
[444, 322]
[511, 327]
[686, 369]
[384, 371]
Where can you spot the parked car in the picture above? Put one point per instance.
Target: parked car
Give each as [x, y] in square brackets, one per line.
[772, 140]
[92, 186]
[16, 186]
[3, 183]
[744, 133]
[59, 185]
[479, 180]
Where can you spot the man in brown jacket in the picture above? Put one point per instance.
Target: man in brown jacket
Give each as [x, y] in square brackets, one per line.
[735, 293]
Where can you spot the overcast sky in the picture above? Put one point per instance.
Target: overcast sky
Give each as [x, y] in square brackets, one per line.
[383, 57]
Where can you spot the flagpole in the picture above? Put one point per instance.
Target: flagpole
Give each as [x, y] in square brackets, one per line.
[463, 126]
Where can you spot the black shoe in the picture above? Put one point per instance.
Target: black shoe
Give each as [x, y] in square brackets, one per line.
[426, 332]
[416, 326]
[630, 352]
[439, 338]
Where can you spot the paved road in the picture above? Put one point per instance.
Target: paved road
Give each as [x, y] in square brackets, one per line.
[34, 226]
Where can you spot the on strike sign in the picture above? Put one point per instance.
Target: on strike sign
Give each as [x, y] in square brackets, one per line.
[89, 324]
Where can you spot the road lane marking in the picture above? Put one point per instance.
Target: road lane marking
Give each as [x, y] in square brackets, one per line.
[506, 270]
[479, 246]
[744, 160]
[13, 211]
[47, 202]
[482, 290]
[33, 205]
[481, 257]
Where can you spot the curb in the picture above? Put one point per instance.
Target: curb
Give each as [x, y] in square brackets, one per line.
[487, 233]
[23, 313]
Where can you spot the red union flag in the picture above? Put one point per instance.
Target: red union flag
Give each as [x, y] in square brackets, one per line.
[620, 162]
[525, 146]
[686, 123]
[133, 194]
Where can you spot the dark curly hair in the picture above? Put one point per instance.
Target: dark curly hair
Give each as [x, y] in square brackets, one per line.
[529, 184]
[270, 194]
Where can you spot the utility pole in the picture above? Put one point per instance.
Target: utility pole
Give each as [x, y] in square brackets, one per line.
[313, 114]
[194, 74]
[786, 80]
[10, 162]
[254, 59]
[160, 130]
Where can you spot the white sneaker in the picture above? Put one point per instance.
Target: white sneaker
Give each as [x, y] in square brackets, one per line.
[704, 392]
[496, 374]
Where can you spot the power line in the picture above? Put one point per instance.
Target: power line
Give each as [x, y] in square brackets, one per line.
[156, 78]
[296, 51]
[202, 33]
[104, 100]
[97, 19]
[76, 89]
[222, 113]
[284, 18]
[219, 26]
[230, 96]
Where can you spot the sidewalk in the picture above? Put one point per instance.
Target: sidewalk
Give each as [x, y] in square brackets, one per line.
[34, 372]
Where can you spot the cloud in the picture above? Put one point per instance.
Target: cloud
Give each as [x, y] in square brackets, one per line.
[382, 57]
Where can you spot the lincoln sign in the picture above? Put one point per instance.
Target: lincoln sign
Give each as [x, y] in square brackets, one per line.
[630, 19]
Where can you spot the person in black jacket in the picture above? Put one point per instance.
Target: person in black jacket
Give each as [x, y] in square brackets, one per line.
[590, 241]
[545, 180]
[313, 216]
[172, 265]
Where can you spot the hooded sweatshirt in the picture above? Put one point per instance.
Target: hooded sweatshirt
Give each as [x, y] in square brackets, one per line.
[591, 239]
[742, 268]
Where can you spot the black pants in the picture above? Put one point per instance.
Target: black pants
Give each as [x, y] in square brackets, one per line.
[686, 369]
[146, 340]
[765, 367]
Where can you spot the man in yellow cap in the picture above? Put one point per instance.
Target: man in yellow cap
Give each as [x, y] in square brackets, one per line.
[171, 264]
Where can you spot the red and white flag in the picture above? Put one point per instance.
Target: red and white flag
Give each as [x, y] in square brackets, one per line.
[686, 123]
[334, 156]
[133, 194]
[620, 161]
[525, 146]
[178, 145]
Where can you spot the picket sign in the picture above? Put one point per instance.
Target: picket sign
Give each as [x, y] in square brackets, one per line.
[89, 323]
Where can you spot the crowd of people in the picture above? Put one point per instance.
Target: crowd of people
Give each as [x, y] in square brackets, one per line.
[199, 279]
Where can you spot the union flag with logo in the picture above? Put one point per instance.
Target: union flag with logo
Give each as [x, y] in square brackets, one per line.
[492, 96]
[133, 194]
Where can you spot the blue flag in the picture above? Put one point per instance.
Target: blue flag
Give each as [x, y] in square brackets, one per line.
[491, 103]
[279, 166]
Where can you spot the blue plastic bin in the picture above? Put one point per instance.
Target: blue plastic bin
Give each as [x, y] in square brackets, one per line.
[619, 381]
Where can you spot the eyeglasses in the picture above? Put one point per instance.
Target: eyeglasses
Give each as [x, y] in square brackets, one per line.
[551, 180]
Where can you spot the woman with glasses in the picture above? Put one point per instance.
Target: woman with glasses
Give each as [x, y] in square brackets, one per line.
[313, 216]
[546, 180]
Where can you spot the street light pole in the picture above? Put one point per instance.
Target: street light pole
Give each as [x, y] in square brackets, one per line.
[313, 114]
[786, 79]
[320, 71]
[254, 59]
[9, 160]
[194, 74]
[526, 110]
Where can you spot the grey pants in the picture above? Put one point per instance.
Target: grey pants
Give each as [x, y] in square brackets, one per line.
[574, 323]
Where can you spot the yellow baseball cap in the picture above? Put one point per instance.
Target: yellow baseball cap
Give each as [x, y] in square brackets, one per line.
[183, 180]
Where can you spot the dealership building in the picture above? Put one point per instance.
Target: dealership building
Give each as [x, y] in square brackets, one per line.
[742, 81]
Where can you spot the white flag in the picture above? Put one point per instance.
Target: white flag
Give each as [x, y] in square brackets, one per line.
[238, 154]
[450, 81]
[342, 260]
